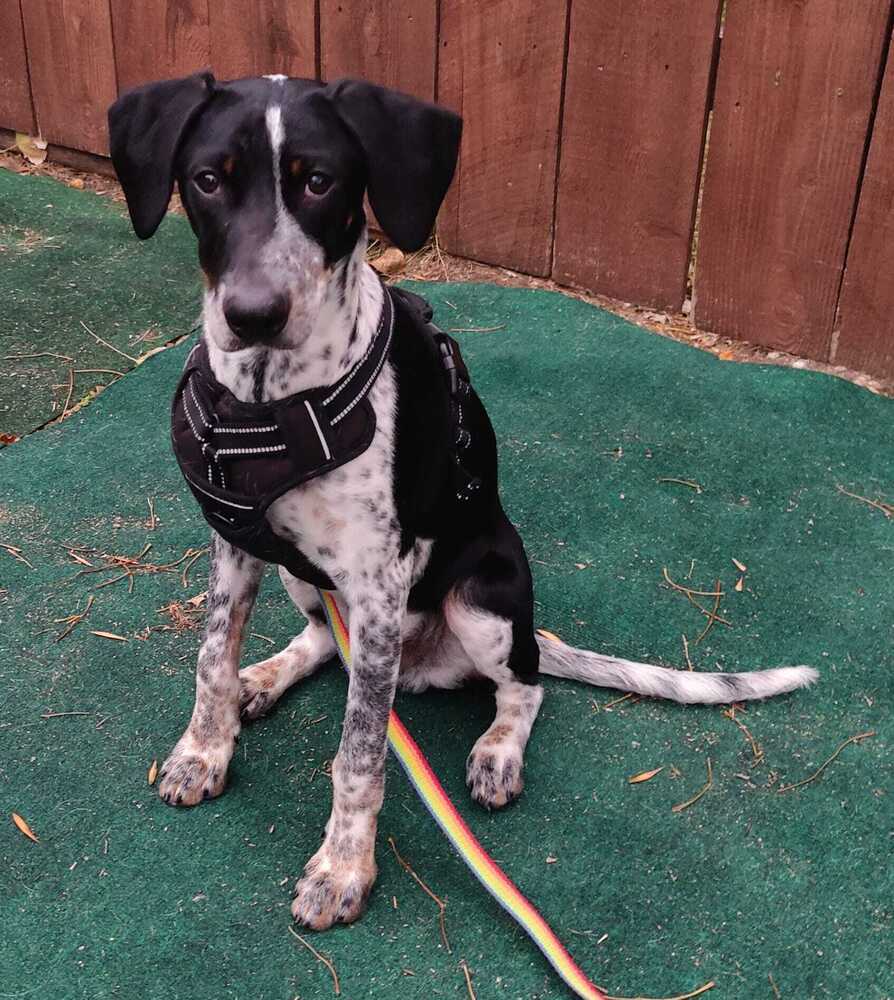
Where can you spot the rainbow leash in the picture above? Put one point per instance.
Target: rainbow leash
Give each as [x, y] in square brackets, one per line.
[445, 814]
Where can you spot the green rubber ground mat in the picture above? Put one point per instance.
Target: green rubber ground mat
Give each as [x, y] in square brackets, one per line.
[622, 455]
[69, 265]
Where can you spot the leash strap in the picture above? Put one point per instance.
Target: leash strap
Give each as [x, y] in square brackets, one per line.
[445, 814]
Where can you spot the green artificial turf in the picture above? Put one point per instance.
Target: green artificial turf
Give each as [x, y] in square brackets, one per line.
[126, 897]
[70, 268]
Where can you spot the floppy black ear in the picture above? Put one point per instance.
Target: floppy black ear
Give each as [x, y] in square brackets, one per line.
[145, 128]
[411, 149]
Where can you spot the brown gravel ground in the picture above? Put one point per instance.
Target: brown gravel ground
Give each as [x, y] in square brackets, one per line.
[432, 264]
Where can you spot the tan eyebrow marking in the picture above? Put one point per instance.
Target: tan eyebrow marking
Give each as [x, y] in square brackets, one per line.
[229, 165]
[295, 167]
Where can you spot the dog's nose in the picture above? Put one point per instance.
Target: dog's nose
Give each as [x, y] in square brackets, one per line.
[256, 314]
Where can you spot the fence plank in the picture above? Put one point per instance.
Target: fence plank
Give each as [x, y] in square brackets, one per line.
[633, 123]
[15, 94]
[863, 338]
[500, 65]
[393, 44]
[158, 39]
[72, 67]
[795, 88]
[253, 37]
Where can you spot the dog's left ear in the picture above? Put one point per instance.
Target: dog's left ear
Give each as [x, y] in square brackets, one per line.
[411, 149]
[146, 126]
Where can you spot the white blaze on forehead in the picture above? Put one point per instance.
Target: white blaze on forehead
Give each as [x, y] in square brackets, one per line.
[277, 133]
[276, 77]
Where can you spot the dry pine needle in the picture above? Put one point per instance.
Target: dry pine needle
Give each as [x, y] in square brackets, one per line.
[109, 635]
[153, 772]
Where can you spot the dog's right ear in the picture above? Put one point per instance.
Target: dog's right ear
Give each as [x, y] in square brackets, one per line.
[146, 126]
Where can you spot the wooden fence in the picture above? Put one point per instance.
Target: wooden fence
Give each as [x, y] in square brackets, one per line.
[590, 127]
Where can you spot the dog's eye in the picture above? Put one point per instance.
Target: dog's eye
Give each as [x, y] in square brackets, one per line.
[318, 183]
[207, 181]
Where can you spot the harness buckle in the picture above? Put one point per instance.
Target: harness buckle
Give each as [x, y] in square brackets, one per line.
[449, 363]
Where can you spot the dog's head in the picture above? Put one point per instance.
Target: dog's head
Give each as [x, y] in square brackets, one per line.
[272, 173]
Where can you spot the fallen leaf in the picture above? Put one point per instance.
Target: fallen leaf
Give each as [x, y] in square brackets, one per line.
[741, 567]
[23, 826]
[109, 635]
[740, 584]
[153, 772]
[33, 149]
[198, 600]
[551, 860]
[76, 182]
[725, 355]
[548, 635]
[8, 438]
[644, 776]
[580, 565]
[390, 261]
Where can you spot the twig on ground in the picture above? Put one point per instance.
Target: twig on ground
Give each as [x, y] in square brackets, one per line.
[105, 343]
[773, 986]
[617, 701]
[825, 764]
[60, 715]
[886, 508]
[442, 906]
[436, 243]
[73, 620]
[320, 958]
[756, 749]
[686, 653]
[465, 969]
[681, 996]
[153, 520]
[713, 617]
[41, 354]
[197, 554]
[98, 371]
[476, 329]
[682, 482]
[132, 566]
[689, 591]
[16, 553]
[680, 806]
[71, 386]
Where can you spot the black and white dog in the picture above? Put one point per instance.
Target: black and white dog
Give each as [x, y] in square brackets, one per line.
[435, 585]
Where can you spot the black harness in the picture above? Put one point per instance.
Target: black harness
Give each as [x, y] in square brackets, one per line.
[238, 458]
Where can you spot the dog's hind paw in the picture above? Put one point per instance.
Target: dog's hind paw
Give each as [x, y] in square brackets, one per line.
[494, 775]
[190, 775]
[255, 695]
[331, 893]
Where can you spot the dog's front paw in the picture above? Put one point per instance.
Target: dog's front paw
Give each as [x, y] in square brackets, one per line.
[332, 892]
[494, 775]
[192, 774]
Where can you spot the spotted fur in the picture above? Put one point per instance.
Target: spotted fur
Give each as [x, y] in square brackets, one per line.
[434, 593]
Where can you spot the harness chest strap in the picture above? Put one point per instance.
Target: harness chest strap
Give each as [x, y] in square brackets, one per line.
[238, 458]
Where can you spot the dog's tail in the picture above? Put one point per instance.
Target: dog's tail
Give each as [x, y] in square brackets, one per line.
[560, 660]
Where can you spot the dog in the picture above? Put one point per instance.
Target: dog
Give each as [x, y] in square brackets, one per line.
[409, 533]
